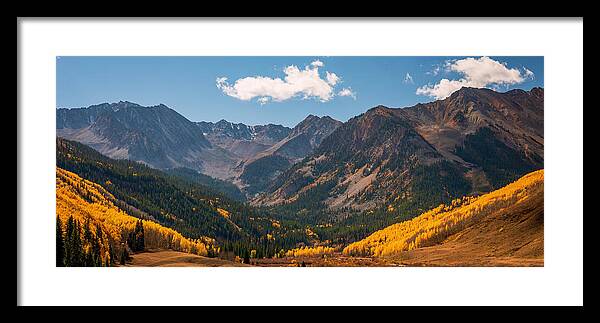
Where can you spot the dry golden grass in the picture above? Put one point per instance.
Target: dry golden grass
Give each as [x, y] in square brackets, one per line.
[170, 258]
[506, 223]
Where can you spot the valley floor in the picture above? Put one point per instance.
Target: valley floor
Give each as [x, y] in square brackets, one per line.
[456, 255]
[170, 258]
[333, 260]
[512, 236]
[439, 256]
[448, 255]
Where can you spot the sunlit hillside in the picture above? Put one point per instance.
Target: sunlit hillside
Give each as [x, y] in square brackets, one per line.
[309, 251]
[494, 214]
[107, 226]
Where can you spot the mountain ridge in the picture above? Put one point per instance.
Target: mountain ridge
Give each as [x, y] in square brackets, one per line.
[480, 135]
[303, 139]
[243, 140]
[155, 135]
[473, 141]
[162, 138]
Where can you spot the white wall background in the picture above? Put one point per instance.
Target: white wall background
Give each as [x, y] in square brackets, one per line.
[560, 281]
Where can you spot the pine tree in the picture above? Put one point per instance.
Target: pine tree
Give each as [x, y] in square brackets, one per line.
[99, 233]
[135, 239]
[95, 248]
[77, 246]
[87, 232]
[246, 257]
[111, 253]
[60, 244]
[87, 259]
[88, 241]
[140, 236]
[69, 258]
[124, 255]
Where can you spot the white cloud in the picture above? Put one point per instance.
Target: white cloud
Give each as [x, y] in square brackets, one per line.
[528, 74]
[263, 100]
[476, 72]
[297, 82]
[317, 63]
[221, 81]
[347, 92]
[332, 78]
[441, 90]
[408, 79]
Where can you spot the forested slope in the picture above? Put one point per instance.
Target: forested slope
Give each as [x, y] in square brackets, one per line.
[183, 205]
[505, 223]
[186, 207]
[93, 231]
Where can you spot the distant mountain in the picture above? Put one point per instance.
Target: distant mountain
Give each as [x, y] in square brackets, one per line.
[502, 133]
[501, 228]
[302, 140]
[217, 185]
[472, 142]
[304, 137]
[80, 118]
[243, 140]
[417, 157]
[156, 135]
[162, 138]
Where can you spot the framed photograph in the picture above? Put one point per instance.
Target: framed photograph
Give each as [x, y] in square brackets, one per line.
[287, 160]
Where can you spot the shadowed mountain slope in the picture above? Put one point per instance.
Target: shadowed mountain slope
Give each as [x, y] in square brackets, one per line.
[474, 141]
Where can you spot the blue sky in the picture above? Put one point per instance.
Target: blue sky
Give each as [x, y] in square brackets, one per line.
[255, 90]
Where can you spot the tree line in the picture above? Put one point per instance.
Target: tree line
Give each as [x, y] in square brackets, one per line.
[78, 246]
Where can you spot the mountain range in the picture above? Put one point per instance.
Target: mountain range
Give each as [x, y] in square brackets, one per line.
[472, 142]
[162, 138]
[157, 136]
[243, 140]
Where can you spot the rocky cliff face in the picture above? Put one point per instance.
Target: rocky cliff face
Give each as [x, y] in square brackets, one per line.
[249, 156]
[302, 140]
[243, 140]
[473, 141]
[157, 136]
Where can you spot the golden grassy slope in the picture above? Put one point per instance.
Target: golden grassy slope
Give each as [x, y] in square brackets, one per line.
[83, 200]
[170, 258]
[507, 223]
[309, 251]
